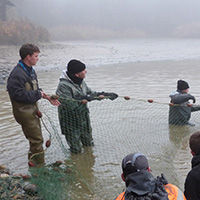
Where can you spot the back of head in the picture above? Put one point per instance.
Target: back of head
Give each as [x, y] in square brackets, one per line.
[195, 143]
[75, 66]
[134, 162]
[28, 49]
[182, 85]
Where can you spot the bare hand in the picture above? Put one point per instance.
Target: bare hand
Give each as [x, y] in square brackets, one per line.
[53, 101]
[101, 96]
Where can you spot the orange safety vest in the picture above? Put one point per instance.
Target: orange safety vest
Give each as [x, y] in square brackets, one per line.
[173, 193]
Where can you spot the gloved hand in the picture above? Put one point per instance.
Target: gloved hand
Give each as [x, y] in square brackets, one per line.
[89, 97]
[111, 95]
[160, 192]
[162, 179]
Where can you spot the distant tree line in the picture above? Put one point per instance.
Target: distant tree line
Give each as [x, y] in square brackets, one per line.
[4, 5]
[14, 32]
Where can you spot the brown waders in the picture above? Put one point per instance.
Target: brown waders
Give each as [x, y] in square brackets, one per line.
[25, 115]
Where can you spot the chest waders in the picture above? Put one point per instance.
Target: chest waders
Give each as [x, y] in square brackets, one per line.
[25, 115]
[75, 125]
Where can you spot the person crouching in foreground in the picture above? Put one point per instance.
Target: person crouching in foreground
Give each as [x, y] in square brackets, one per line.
[73, 113]
[141, 184]
[180, 114]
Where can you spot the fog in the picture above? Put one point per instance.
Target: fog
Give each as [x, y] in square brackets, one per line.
[142, 17]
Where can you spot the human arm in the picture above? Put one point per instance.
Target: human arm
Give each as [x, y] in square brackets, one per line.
[68, 95]
[99, 96]
[109, 95]
[195, 108]
[178, 98]
[53, 100]
[93, 95]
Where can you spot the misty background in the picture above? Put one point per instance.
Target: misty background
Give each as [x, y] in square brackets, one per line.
[90, 19]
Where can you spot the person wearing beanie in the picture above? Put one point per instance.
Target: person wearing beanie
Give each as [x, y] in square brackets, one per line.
[179, 111]
[142, 185]
[73, 112]
[192, 182]
[182, 85]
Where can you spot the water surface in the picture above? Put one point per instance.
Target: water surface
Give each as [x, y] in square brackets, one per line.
[114, 67]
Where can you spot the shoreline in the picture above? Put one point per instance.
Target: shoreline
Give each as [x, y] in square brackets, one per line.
[5, 69]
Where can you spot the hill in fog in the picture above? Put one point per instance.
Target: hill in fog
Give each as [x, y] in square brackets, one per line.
[117, 18]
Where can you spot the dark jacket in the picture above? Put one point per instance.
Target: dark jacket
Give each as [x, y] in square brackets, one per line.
[192, 182]
[180, 112]
[19, 82]
[22, 86]
[139, 185]
[143, 186]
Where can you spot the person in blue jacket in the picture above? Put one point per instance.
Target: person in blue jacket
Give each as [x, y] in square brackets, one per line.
[24, 92]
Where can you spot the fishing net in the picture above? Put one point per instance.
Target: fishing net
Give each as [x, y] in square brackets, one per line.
[119, 127]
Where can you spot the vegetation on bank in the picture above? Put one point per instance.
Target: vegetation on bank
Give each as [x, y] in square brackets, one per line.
[16, 32]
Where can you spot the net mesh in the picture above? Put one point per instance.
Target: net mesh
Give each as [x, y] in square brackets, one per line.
[119, 127]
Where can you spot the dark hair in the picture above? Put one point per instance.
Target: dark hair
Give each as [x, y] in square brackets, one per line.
[195, 142]
[28, 49]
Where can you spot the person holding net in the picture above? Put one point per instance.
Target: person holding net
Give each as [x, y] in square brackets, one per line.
[73, 112]
[141, 184]
[179, 111]
[24, 92]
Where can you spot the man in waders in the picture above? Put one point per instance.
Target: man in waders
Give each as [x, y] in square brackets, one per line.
[73, 112]
[179, 110]
[141, 184]
[24, 92]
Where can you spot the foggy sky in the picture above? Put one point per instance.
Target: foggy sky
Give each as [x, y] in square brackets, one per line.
[152, 16]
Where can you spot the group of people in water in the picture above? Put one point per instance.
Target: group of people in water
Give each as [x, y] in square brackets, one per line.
[73, 95]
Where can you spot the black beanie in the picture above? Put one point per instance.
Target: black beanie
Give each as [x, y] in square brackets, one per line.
[75, 66]
[182, 85]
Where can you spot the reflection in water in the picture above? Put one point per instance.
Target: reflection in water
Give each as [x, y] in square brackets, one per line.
[82, 164]
[179, 136]
[178, 132]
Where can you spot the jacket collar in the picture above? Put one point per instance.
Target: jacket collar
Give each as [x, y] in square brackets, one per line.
[195, 160]
[72, 78]
[140, 183]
